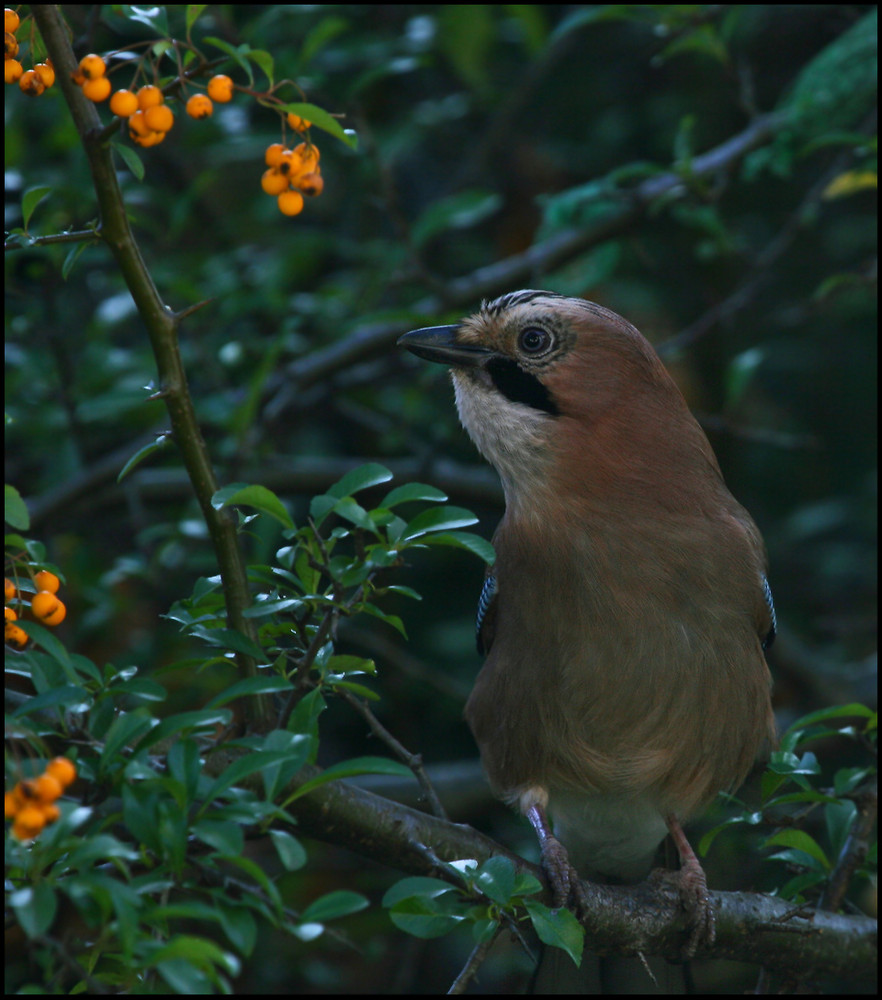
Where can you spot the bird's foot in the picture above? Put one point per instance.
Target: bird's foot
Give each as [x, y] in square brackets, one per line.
[561, 874]
[567, 888]
[691, 884]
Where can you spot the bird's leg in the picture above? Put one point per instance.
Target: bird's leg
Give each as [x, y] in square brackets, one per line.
[555, 860]
[692, 883]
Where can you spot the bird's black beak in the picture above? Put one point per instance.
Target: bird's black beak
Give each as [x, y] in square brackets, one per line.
[438, 343]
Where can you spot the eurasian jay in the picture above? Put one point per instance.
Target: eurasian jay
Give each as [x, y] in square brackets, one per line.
[625, 619]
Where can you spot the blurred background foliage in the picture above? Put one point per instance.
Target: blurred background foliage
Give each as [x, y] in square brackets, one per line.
[484, 130]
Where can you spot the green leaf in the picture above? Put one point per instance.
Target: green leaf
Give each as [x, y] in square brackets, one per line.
[249, 686]
[316, 39]
[15, 510]
[412, 491]
[238, 55]
[833, 712]
[349, 768]
[32, 197]
[126, 730]
[347, 508]
[558, 928]
[101, 847]
[319, 118]
[193, 12]
[224, 836]
[463, 540]
[799, 840]
[240, 927]
[266, 63]
[438, 519]
[348, 664]
[73, 255]
[35, 907]
[183, 722]
[496, 879]
[361, 478]
[130, 158]
[290, 850]
[72, 697]
[416, 886]
[230, 638]
[258, 497]
[242, 768]
[332, 905]
[161, 441]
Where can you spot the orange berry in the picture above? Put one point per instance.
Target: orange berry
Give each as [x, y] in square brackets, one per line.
[10, 45]
[12, 802]
[15, 636]
[63, 770]
[199, 106]
[92, 67]
[47, 608]
[291, 203]
[148, 140]
[10, 615]
[10, 589]
[11, 19]
[150, 97]
[44, 580]
[13, 70]
[46, 72]
[31, 84]
[97, 90]
[308, 154]
[311, 184]
[297, 123]
[78, 78]
[274, 153]
[124, 103]
[220, 88]
[273, 182]
[159, 118]
[28, 823]
[51, 812]
[290, 164]
[137, 125]
[46, 788]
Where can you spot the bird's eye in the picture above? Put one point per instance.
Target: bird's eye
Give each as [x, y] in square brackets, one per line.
[534, 341]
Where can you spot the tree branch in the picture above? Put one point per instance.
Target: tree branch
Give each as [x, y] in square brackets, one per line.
[162, 328]
[644, 918]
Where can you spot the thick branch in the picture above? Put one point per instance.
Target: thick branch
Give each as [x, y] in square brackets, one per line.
[626, 919]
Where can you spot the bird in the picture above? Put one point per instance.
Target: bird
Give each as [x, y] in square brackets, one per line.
[625, 620]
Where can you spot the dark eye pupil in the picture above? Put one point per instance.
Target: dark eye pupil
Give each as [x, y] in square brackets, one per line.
[534, 340]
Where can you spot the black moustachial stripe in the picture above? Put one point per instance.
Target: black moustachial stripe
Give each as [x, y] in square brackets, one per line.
[519, 386]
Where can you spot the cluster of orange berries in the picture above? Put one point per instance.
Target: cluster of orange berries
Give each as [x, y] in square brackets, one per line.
[290, 174]
[33, 81]
[46, 607]
[293, 173]
[31, 804]
[150, 118]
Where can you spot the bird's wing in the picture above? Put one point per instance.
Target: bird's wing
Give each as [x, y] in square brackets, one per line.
[769, 634]
[485, 623]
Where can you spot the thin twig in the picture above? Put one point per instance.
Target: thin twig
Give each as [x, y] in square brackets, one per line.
[474, 962]
[413, 760]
